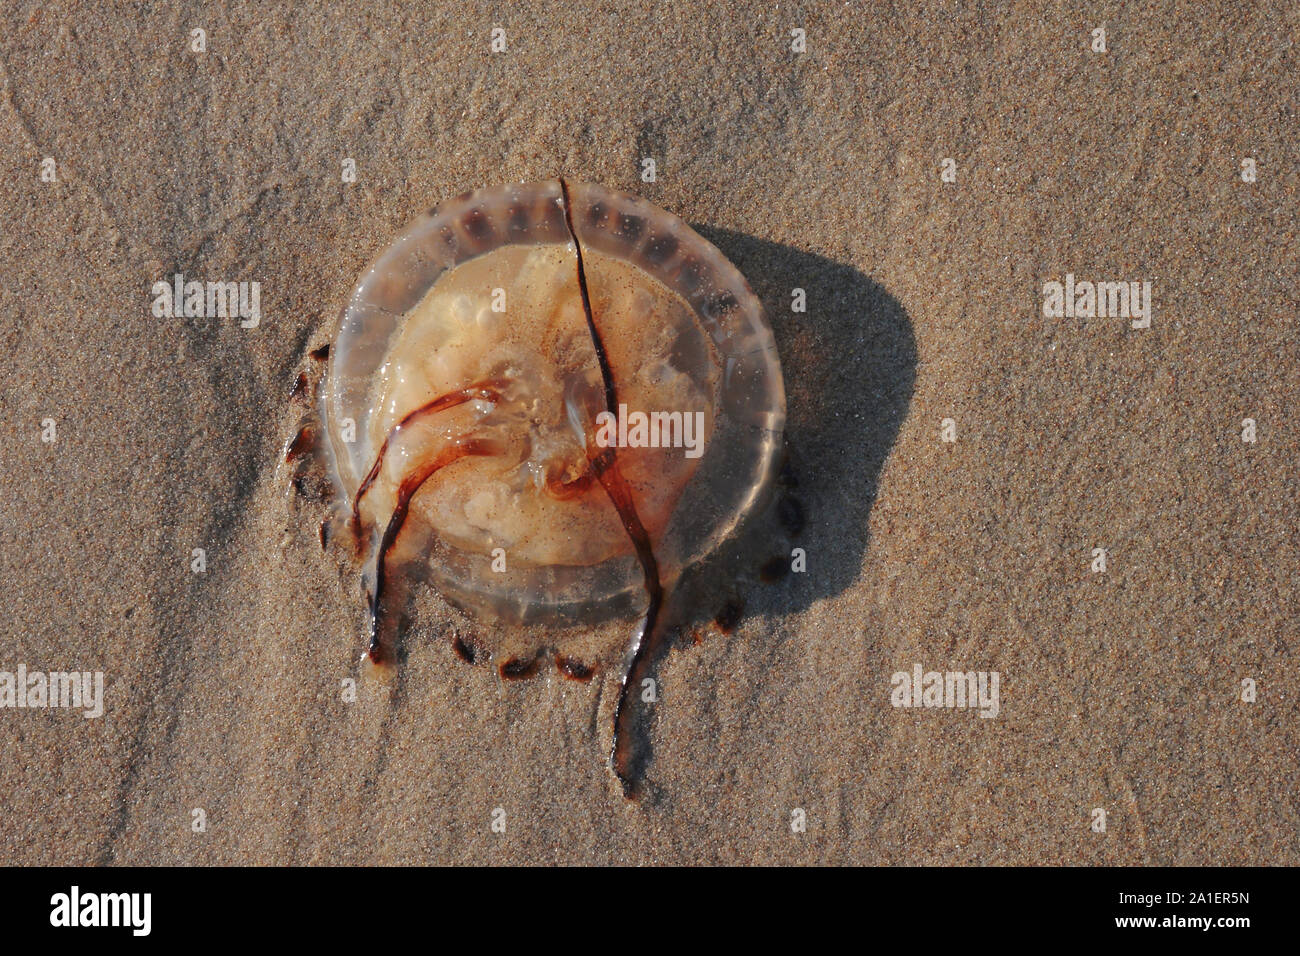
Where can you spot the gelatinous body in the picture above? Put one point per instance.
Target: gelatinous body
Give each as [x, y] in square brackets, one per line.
[556, 398]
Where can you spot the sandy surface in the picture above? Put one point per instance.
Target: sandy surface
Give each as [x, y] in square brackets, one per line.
[1119, 690]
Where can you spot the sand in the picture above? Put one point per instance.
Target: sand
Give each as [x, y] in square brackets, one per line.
[1121, 690]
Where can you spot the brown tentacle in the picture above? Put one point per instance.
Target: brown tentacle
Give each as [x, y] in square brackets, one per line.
[489, 390]
[605, 467]
[409, 486]
[649, 636]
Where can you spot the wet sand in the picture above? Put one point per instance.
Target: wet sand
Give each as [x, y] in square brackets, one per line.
[1120, 690]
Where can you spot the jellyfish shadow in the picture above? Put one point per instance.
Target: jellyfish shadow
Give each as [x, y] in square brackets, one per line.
[849, 363]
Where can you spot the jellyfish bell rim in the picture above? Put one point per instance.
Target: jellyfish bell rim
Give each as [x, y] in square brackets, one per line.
[615, 224]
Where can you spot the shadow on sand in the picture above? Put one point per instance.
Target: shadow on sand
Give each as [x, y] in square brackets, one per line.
[849, 364]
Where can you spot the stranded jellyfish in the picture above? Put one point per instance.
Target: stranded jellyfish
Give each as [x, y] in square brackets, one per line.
[551, 399]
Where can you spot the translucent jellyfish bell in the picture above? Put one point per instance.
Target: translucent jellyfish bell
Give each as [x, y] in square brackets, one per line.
[476, 350]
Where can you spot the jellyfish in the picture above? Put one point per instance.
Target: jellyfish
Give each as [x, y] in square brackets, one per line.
[552, 400]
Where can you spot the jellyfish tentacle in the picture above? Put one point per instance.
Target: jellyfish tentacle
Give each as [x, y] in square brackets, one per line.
[461, 448]
[488, 390]
[649, 636]
[605, 467]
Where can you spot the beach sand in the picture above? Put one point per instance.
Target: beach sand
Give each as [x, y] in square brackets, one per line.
[1120, 690]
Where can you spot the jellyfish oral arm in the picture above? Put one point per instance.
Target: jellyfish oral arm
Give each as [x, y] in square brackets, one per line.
[489, 391]
[409, 486]
[649, 634]
[605, 466]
